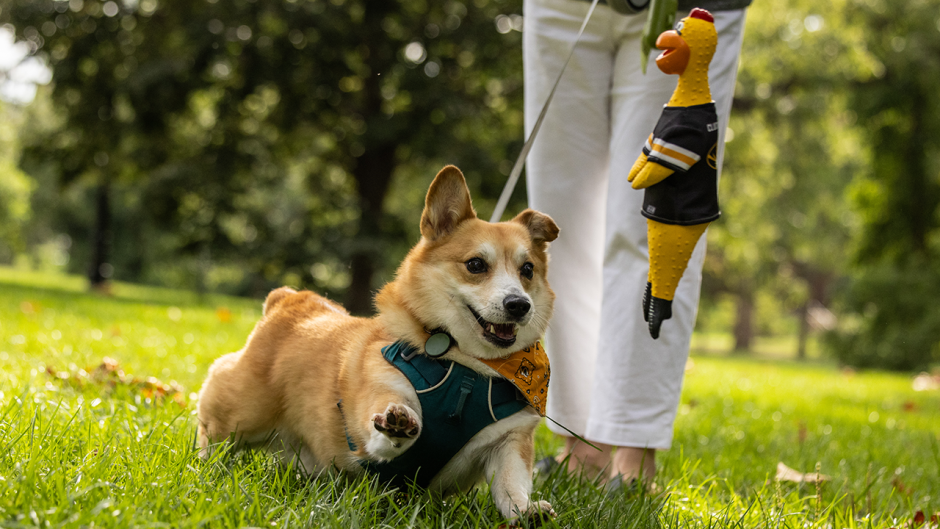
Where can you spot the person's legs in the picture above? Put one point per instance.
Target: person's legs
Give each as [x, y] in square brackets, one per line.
[629, 463]
[567, 179]
[638, 380]
[584, 458]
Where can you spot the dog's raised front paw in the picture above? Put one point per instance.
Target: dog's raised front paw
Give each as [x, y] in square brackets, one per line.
[397, 421]
[395, 430]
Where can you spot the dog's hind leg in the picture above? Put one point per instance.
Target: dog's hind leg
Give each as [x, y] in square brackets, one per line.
[231, 405]
[293, 452]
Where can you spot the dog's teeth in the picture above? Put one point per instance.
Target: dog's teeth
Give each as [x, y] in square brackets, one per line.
[491, 329]
[515, 330]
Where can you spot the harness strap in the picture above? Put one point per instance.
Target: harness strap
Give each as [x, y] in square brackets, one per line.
[502, 391]
[349, 441]
[466, 387]
[432, 371]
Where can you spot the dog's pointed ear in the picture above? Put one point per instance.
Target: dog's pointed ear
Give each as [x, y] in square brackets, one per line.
[447, 204]
[541, 227]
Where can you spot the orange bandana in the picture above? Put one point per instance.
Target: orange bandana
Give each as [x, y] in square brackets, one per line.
[529, 371]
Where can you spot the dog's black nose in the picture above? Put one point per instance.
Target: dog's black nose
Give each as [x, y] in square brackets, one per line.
[516, 306]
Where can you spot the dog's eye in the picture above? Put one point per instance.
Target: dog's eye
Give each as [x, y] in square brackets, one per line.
[527, 270]
[476, 265]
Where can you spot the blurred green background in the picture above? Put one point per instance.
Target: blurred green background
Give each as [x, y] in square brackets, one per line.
[232, 146]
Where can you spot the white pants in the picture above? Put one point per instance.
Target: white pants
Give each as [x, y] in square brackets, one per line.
[611, 382]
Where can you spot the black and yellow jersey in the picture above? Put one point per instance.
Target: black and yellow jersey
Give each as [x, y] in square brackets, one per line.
[685, 140]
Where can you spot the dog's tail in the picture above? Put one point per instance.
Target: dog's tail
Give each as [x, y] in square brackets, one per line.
[275, 297]
[304, 302]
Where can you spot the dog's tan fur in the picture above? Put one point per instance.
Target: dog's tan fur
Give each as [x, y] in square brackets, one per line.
[307, 353]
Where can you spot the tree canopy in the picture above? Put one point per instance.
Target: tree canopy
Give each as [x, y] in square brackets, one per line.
[243, 127]
[240, 145]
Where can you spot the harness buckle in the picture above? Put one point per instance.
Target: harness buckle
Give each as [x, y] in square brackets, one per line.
[410, 355]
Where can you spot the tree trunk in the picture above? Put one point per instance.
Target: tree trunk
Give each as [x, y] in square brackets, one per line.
[744, 322]
[203, 267]
[374, 168]
[373, 175]
[804, 332]
[818, 281]
[98, 270]
[922, 200]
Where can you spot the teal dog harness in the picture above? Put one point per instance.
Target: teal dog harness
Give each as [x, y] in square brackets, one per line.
[456, 403]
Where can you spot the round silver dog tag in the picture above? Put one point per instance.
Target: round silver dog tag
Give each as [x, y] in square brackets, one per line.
[437, 344]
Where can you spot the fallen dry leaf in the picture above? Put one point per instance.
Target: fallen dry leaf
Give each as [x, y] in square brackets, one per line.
[785, 473]
[920, 519]
[901, 486]
[110, 374]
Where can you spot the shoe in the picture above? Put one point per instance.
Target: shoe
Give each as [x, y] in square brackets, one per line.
[633, 487]
[546, 465]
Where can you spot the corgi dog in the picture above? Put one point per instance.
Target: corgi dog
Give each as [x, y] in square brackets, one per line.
[323, 389]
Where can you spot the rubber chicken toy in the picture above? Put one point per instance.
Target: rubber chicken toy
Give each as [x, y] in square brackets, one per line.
[678, 166]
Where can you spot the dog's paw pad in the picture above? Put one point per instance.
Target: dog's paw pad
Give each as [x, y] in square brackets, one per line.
[397, 421]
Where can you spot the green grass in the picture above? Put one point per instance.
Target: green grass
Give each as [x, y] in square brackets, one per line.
[80, 447]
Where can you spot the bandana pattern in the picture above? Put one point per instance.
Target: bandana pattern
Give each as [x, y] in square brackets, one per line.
[529, 371]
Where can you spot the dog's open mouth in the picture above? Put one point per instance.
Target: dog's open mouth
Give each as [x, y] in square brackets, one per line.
[498, 334]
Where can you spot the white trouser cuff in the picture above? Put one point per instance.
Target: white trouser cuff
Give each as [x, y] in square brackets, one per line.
[658, 436]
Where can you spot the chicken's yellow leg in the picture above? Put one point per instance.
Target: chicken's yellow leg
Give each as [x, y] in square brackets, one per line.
[670, 248]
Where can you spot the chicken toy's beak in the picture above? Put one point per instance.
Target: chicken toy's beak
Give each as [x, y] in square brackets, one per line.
[675, 56]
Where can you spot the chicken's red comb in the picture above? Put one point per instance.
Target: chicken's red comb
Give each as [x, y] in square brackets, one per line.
[702, 14]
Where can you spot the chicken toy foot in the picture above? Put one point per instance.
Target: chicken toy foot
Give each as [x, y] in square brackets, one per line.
[655, 311]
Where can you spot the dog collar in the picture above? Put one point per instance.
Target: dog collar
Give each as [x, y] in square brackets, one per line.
[527, 369]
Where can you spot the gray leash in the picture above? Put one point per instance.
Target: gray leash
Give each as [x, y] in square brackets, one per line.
[520, 161]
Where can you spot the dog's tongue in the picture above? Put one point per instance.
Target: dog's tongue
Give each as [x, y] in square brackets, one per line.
[503, 330]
